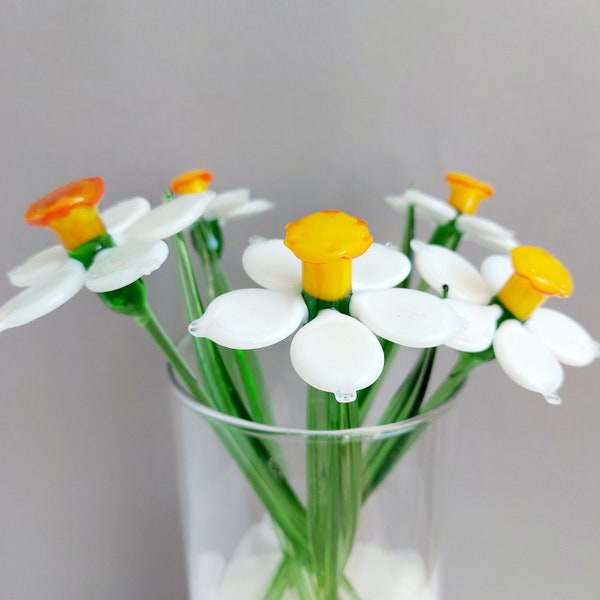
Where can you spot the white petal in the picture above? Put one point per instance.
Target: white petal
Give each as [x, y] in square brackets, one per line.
[44, 296]
[380, 267]
[495, 244]
[407, 317]
[426, 206]
[117, 267]
[486, 232]
[440, 266]
[482, 322]
[335, 353]
[481, 226]
[570, 342]
[222, 204]
[38, 266]
[254, 207]
[272, 265]
[124, 214]
[170, 218]
[496, 271]
[527, 360]
[251, 318]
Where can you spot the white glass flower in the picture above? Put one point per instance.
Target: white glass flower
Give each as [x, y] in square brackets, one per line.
[225, 206]
[333, 352]
[466, 194]
[531, 347]
[52, 277]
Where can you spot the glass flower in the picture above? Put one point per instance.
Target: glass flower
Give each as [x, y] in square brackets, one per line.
[225, 206]
[466, 194]
[120, 244]
[331, 258]
[532, 342]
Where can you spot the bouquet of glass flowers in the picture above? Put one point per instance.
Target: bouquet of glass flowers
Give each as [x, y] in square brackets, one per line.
[349, 304]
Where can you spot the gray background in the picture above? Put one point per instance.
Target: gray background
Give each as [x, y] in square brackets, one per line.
[314, 105]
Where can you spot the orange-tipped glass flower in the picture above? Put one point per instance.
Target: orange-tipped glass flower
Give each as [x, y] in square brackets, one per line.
[467, 192]
[192, 182]
[231, 204]
[537, 276]
[326, 242]
[126, 245]
[334, 352]
[529, 352]
[70, 211]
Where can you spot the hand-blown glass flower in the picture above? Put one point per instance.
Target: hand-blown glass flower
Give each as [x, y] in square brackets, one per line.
[225, 206]
[101, 251]
[352, 284]
[466, 193]
[530, 342]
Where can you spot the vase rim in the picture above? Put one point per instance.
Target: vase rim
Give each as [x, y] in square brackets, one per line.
[366, 432]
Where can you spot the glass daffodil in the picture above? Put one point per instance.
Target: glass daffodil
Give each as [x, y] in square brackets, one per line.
[328, 276]
[101, 251]
[225, 206]
[465, 196]
[531, 342]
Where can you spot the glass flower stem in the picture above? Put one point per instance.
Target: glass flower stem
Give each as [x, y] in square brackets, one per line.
[366, 396]
[333, 490]
[465, 363]
[382, 455]
[279, 582]
[242, 365]
[251, 456]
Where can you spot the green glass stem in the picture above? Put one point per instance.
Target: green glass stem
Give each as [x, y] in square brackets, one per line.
[366, 396]
[243, 366]
[465, 363]
[333, 490]
[251, 456]
[382, 455]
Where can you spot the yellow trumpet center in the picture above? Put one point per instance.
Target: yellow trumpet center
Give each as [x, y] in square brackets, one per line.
[70, 211]
[538, 275]
[326, 242]
[192, 182]
[466, 192]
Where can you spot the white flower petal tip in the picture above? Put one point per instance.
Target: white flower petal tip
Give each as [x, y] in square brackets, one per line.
[114, 268]
[496, 271]
[335, 353]
[272, 265]
[426, 206]
[407, 317]
[486, 232]
[481, 327]
[170, 218]
[254, 207]
[380, 267]
[441, 267]
[251, 318]
[119, 217]
[38, 266]
[44, 296]
[235, 204]
[527, 360]
[569, 341]
[224, 203]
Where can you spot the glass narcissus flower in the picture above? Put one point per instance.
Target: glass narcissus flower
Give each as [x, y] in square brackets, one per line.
[466, 194]
[530, 345]
[102, 251]
[328, 257]
[225, 206]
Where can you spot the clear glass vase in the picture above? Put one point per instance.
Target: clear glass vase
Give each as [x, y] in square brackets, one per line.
[285, 512]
